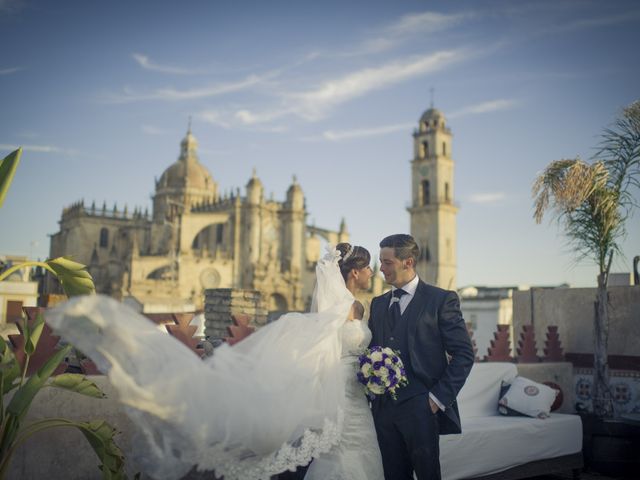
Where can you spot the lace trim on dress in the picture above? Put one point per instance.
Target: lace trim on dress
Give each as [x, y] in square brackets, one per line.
[290, 456]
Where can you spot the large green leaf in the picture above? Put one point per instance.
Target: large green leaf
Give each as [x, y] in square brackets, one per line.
[9, 367]
[32, 334]
[73, 276]
[23, 397]
[78, 383]
[8, 168]
[100, 435]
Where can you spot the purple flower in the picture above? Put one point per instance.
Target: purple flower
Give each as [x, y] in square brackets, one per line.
[364, 359]
[378, 365]
[361, 378]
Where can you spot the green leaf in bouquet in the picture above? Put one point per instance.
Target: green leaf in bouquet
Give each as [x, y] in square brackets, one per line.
[77, 383]
[8, 167]
[73, 276]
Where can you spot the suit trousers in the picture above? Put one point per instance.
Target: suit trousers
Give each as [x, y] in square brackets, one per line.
[409, 438]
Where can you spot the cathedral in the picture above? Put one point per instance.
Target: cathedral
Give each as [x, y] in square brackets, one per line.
[196, 239]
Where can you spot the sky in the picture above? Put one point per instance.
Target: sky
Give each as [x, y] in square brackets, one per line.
[99, 95]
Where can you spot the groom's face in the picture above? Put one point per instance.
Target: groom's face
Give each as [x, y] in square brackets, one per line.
[396, 272]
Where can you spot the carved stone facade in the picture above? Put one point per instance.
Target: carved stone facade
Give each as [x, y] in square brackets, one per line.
[195, 239]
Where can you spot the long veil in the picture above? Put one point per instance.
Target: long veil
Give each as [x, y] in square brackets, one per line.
[270, 403]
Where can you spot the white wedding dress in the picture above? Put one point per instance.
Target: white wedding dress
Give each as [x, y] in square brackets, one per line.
[270, 403]
[357, 455]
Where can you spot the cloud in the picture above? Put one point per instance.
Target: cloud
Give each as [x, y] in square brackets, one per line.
[596, 22]
[315, 103]
[247, 117]
[151, 130]
[39, 149]
[336, 136]
[487, 198]
[9, 71]
[407, 28]
[146, 63]
[244, 118]
[425, 22]
[172, 94]
[484, 107]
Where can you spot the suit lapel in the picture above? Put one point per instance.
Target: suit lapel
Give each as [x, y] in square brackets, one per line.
[416, 307]
[382, 311]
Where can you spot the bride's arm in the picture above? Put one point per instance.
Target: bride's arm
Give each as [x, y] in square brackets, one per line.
[356, 312]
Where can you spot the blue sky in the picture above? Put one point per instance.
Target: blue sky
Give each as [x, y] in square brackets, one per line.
[99, 95]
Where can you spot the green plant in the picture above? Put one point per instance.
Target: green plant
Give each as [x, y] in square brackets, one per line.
[75, 280]
[593, 202]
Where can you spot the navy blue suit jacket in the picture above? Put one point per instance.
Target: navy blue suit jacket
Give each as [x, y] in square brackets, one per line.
[436, 329]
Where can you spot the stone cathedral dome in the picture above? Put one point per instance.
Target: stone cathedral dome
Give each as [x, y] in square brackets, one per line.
[187, 171]
[432, 114]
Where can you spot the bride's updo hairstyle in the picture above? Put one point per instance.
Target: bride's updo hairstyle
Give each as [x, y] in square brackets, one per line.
[352, 256]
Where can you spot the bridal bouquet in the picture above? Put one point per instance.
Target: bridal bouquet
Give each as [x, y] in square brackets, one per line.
[381, 371]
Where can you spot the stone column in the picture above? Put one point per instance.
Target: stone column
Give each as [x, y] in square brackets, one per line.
[221, 303]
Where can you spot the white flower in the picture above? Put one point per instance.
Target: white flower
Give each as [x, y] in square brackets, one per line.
[376, 356]
[332, 255]
[375, 388]
[382, 372]
[366, 369]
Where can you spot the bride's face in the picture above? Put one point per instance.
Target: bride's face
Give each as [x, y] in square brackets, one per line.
[363, 277]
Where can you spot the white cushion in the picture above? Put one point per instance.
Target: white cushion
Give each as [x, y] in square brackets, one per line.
[528, 398]
[481, 391]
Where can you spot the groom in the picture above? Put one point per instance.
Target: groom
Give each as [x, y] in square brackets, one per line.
[425, 325]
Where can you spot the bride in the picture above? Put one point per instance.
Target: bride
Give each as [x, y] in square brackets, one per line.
[283, 396]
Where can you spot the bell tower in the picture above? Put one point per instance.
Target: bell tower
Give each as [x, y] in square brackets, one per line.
[433, 211]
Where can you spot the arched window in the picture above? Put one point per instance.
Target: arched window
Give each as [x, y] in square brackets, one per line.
[446, 192]
[104, 238]
[425, 192]
[425, 254]
[277, 303]
[444, 148]
[219, 231]
[425, 149]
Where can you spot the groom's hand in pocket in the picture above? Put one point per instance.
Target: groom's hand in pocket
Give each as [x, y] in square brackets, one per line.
[433, 406]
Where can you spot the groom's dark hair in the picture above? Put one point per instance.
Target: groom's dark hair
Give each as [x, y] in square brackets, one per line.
[404, 246]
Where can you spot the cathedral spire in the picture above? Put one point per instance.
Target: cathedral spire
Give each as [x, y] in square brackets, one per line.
[189, 146]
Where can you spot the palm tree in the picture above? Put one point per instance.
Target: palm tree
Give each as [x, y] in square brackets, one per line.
[592, 202]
